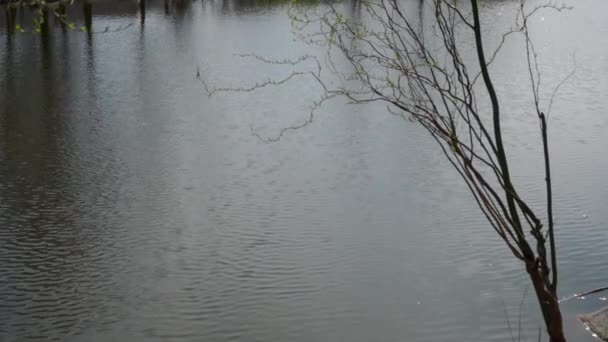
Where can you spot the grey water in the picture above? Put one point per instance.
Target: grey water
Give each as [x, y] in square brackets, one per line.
[135, 208]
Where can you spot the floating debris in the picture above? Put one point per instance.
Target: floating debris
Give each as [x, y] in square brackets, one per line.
[597, 322]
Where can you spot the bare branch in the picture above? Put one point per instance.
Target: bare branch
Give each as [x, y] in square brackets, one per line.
[562, 82]
[586, 293]
[305, 123]
[429, 82]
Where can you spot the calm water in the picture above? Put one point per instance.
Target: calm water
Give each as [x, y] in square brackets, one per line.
[134, 208]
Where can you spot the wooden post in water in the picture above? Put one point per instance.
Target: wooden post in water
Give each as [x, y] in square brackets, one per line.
[8, 20]
[87, 10]
[166, 6]
[142, 11]
[61, 10]
[44, 24]
[11, 15]
[45, 44]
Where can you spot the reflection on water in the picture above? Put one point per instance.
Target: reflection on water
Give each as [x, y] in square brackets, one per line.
[132, 207]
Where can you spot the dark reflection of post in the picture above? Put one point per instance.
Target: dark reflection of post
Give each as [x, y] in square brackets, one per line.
[7, 89]
[47, 79]
[65, 53]
[142, 12]
[9, 48]
[141, 61]
[167, 7]
[87, 11]
[7, 18]
[10, 14]
[90, 58]
[181, 6]
[142, 36]
[421, 17]
[44, 39]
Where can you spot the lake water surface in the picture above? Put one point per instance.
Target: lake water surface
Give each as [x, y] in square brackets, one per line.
[135, 208]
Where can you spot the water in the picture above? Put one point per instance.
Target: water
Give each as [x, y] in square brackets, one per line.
[133, 207]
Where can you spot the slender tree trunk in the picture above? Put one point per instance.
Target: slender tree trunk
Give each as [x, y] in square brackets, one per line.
[549, 305]
[545, 291]
[550, 228]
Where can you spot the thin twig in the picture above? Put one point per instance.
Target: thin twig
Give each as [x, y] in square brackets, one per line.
[586, 293]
